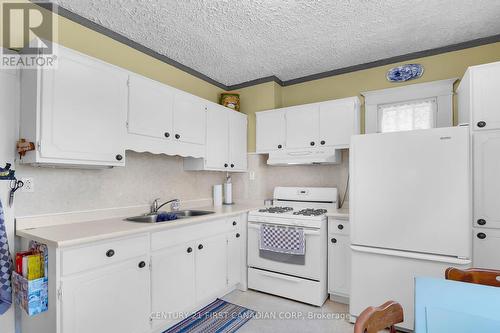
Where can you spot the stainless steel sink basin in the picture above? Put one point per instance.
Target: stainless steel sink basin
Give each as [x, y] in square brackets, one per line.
[181, 214]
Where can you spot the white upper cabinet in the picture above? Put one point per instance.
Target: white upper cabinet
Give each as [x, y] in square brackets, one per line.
[302, 126]
[271, 130]
[226, 146]
[150, 109]
[308, 126]
[189, 118]
[238, 124]
[217, 137]
[339, 120]
[75, 114]
[478, 97]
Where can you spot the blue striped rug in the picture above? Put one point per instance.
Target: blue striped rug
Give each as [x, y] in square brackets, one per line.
[217, 317]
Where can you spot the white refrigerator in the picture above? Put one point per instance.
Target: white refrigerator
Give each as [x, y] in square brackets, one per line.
[410, 212]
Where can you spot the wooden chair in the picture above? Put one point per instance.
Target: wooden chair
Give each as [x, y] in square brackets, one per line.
[376, 319]
[488, 277]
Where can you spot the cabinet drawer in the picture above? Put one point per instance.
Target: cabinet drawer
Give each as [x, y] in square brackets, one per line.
[486, 244]
[339, 227]
[96, 255]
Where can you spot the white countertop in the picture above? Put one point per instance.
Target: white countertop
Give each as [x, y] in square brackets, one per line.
[77, 233]
[342, 213]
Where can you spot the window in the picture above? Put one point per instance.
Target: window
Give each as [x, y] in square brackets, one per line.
[407, 116]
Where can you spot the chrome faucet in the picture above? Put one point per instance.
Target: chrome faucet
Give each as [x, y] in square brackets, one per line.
[174, 205]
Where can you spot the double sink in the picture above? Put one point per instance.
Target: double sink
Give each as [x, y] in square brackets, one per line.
[180, 214]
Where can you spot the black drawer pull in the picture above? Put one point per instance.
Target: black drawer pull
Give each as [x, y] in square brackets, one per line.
[200, 247]
[189, 249]
[119, 157]
[322, 142]
[142, 264]
[177, 136]
[481, 235]
[234, 223]
[110, 253]
[334, 240]
[481, 221]
[167, 134]
[481, 124]
[238, 235]
[280, 146]
[340, 226]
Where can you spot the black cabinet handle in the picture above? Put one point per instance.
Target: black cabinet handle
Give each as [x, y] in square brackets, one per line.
[232, 165]
[234, 222]
[280, 146]
[167, 134]
[481, 124]
[225, 165]
[481, 235]
[312, 143]
[238, 235]
[340, 226]
[322, 142]
[200, 247]
[142, 264]
[189, 249]
[334, 240]
[110, 253]
[481, 221]
[119, 157]
[177, 136]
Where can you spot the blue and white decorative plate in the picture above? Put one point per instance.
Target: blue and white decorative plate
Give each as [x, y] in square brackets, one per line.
[405, 73]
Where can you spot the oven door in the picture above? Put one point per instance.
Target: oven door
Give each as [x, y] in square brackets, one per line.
[311, 266]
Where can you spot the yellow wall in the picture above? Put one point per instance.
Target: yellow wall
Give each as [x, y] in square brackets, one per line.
[80, 38]
[438, 67]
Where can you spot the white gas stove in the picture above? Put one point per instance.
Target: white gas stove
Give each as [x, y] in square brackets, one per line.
[299, 277]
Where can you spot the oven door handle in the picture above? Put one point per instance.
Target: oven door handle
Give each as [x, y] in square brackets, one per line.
[312, 232]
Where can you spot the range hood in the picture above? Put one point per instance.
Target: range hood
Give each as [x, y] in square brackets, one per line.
[323, 155]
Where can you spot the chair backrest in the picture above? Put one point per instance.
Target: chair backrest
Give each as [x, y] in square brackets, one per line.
[487, 277]
[375, 319]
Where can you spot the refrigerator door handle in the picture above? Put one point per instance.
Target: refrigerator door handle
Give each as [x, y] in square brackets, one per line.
[412, 255]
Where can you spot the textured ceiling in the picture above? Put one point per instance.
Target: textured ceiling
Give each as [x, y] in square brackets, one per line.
[234, 41]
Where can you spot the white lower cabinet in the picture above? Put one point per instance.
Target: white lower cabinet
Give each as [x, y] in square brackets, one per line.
[112, 299]
[172, 281]
[486, 243]
[339, 258]
[142, 283]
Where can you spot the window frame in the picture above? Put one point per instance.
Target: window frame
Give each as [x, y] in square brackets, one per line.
[441, 90]
[414, 101]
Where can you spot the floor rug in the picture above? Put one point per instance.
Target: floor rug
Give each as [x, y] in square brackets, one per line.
[217, 317]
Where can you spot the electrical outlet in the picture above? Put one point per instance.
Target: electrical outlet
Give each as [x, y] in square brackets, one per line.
[29, 185]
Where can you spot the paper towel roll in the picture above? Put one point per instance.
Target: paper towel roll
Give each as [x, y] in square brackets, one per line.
[217, 195]
[228, 193]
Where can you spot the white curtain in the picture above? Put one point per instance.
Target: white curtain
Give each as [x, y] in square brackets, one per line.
[407, 116]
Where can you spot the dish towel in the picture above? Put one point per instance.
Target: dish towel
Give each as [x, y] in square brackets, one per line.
[282, 239]
[5, 267]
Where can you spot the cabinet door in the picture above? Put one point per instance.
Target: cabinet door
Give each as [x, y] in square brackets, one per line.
[150, 108]
[173, 280]
[485, 90]
[339, 264]
[189, 118]
[338, 122]
[487, 178]
[271, 130]
[234, 262]
[486, 245]
[211, 267]
[217, 137]
[114, 299]
[237, 141]
[83, 111]
[302, 126]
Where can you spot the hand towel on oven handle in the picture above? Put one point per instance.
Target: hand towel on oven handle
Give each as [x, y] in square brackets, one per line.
[5, 267]
[282, 239]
